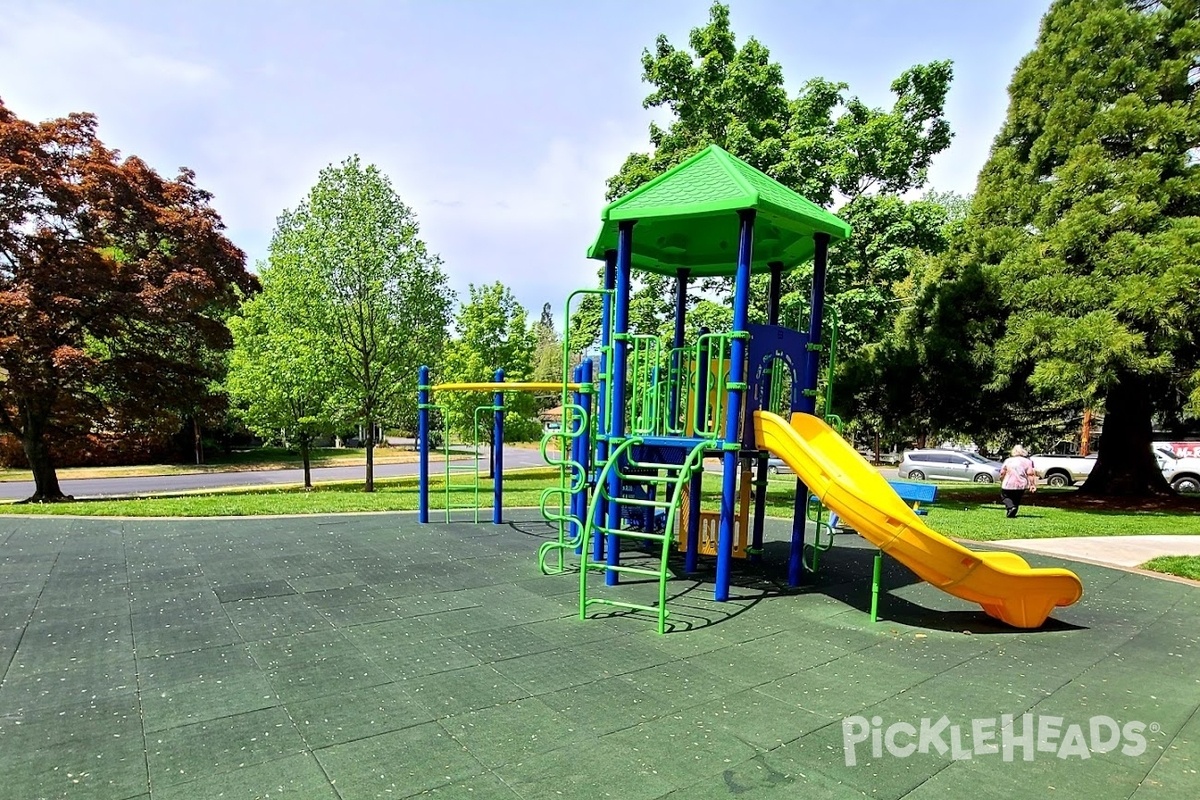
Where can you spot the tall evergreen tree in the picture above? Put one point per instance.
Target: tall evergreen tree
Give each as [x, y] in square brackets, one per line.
[1086, 224]
[547, 356]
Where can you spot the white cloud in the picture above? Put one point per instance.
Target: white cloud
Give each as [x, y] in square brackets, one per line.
[535, 222]
[54, 61]
[525, 219]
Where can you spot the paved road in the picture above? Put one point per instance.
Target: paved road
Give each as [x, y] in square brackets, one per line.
[514, 458]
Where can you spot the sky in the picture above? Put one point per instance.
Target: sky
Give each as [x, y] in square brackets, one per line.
[498, 122]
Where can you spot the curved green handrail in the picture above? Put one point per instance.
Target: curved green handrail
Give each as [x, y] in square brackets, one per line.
[578, 480]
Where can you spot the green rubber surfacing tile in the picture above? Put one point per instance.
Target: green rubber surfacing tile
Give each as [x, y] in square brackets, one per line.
[184, 688]
[512, 732]
[397, 764]
[203, 749]
[528, 700]
[462, 690]
[359, 714]
[296, 776]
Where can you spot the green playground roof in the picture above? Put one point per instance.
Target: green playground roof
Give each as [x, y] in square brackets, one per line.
[687, 218]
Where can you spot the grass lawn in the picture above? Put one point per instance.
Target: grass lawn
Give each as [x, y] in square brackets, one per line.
[969, 512]
[963, 510]
[393, 494]
[1183, 566]
[259, 458]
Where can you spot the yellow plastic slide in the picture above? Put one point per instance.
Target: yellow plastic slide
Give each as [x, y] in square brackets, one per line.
[1007, 587]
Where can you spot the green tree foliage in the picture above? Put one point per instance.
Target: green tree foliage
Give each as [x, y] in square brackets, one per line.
[823, 143]
[1085, 229]
[880, 385]
[279, 378]
[492, 333]
[547, 356]
[114, 287]
[385, 303]
[868, 274]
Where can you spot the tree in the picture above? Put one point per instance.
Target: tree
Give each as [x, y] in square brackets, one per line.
[882, 384]
[821, 143]
[1086, 224]
[113, 283]
[492, 334]
[868, 274]
[279, 377]
[385, 304]
[547, 356]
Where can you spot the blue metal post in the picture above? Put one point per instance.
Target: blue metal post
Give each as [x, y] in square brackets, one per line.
[700, 404]
[616, 412]
[691, 559]
[812, 369]
[733, 418]
[602, 389]
[498, 453]
[677, 366]
[808, 399]
[799, 521]
[760, 471]
[585, 445]
[423, 445]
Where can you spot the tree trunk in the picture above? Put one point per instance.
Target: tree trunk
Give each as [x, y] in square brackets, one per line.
[304, 456]
[45, 477]
[197, 442]
[1125, 464]
[370, 460]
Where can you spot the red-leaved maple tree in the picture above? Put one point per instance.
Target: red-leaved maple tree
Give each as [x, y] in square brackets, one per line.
[114, 283]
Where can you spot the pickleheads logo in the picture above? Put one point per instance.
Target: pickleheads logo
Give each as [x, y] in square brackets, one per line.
[1004, 736]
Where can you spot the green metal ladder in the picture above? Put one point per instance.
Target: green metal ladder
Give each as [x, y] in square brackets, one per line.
[470, 467]
[671, 478]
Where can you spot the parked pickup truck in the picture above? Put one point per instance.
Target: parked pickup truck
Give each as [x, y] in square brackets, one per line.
[1063, 470]
[1182, 473]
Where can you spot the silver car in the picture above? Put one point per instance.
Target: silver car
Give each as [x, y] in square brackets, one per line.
[948, 465]
[777, 466]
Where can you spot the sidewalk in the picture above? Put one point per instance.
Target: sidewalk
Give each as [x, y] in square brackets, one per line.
[1108, 551]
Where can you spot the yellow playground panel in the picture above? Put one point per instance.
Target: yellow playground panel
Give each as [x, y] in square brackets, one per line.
[718, 377]
[710, 522]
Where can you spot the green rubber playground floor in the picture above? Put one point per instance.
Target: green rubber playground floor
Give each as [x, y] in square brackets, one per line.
[365, 657]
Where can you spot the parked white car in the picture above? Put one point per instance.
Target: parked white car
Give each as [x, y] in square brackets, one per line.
[1063, 470]
[1182, 473]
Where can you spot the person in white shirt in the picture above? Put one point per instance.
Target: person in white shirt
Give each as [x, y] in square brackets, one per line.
[1017, 475]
